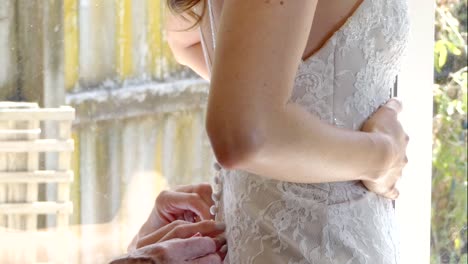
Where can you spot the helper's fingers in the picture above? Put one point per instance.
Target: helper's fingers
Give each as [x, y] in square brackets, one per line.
[208, 259]
[157, 235]
[205, 228]
[204, 190]
[223, 252]
[191, 248]
[178, 202]
[190, 217]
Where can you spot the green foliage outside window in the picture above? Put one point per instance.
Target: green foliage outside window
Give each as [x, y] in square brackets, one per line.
[449, 180]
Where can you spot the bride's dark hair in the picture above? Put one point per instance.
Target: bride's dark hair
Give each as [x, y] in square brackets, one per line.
[186, 7]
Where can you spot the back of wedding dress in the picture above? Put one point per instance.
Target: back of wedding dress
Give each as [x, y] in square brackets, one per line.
[343, 83]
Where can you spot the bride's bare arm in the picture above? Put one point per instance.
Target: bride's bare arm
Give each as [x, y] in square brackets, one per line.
[186, 44]
[252, 126]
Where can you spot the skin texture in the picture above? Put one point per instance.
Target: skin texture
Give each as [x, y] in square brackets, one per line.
[252, 126]
[186, 44]
[179, 229]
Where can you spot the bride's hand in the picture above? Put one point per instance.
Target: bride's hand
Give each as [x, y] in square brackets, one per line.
[388, 131]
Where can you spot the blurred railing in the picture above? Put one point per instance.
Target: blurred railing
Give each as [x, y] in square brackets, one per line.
[22, 146]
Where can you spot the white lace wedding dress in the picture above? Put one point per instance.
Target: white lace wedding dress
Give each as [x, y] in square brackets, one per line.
[343, 83]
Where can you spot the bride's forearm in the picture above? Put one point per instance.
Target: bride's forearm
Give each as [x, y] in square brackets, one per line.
[292, 145]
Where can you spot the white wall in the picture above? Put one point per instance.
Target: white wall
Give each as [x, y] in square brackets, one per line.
[415, 89]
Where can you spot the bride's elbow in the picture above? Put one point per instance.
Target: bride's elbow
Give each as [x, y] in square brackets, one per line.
[235, 146]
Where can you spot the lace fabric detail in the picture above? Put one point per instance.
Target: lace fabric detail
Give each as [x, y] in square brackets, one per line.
[314, 87]
[382, 41]
[343, 83]
[278, 222]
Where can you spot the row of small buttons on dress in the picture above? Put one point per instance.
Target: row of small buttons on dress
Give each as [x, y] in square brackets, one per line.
[217, 191]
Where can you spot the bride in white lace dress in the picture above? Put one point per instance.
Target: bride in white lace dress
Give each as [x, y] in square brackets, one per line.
[293, 136]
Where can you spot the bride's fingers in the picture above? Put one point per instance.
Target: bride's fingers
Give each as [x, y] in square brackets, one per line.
[394, 104]
[398, 176]
[393, 194]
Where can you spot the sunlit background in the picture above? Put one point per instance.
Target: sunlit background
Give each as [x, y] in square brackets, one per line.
[139, 125]
[449, 173]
